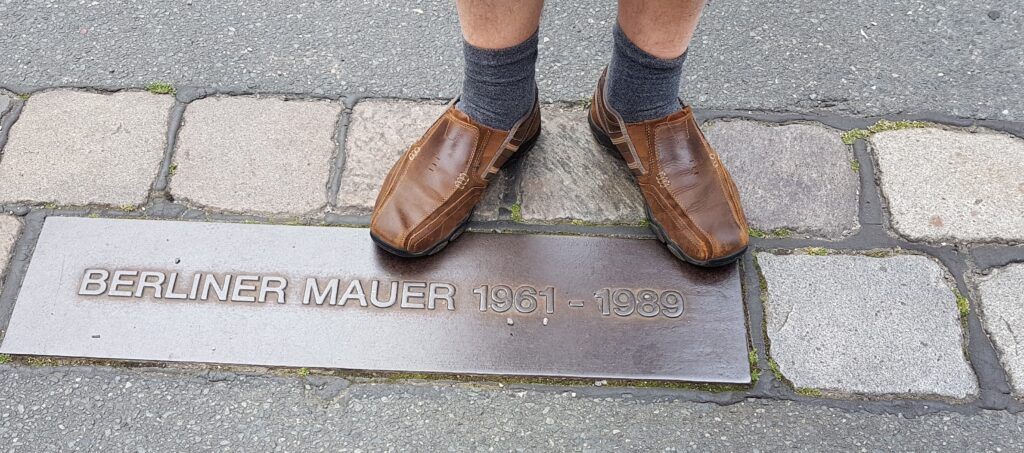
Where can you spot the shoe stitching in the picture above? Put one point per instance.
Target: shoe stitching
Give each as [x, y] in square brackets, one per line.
[390, 186]
[421, 232]
[731, 197]
[707, 243]
[420, 222]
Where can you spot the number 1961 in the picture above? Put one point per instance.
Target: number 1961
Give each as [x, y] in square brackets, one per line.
[645, 302]
[501, 298]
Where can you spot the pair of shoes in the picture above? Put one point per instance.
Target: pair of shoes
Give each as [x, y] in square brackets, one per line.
[691, 202]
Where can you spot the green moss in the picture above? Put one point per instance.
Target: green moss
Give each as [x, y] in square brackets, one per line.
[24, 96]
[882, 125]
[517, 213]
[40, 361]
[567, 382]
[172, 169]
[128, 208]
[880, 253]
[963, 305]
[774, 367]
[853, 135]
[302, 372]
[93, 215]
[5, 358]
[886, 125]
[755, 372]
[50, 205]
[250, 222]
[808, 392]
[762, 282]
[855, 166]
[782, 233]
[160, 88]
[816, 251]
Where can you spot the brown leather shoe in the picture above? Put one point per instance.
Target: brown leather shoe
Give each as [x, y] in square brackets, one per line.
[691, 202]
[429, 195]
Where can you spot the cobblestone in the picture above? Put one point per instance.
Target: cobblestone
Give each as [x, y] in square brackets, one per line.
[953, 184]
[568, 177]
[244, 154]
[863, 325]
[797, 177]
[1001, 295]
[77, 148]
[10, 226]
[5, 104]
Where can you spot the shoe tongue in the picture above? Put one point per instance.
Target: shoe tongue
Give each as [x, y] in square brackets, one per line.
[680, 114]
[454, 111]
[463, 117]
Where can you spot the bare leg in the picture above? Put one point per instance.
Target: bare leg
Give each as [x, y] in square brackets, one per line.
[500, 51]
[497, 24]
[662, 28]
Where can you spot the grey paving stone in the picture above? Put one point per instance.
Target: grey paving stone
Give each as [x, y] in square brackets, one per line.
[1001, 295]
[953, 185]
[5, 103]
[862, 325]
[379, 131]
[568, 177]
[10, 226]
[78, 148]
[797, 176]
[261, 155]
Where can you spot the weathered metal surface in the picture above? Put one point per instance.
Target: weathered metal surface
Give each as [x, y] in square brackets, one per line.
[489, 304]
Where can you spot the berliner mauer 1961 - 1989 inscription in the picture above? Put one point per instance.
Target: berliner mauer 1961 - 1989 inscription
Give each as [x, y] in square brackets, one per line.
[326, 297]
[204, 286]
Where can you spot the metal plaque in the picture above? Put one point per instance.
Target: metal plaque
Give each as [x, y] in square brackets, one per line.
[327, 297]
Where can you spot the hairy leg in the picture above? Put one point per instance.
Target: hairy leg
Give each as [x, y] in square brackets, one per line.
[662, 28]
[498, 24]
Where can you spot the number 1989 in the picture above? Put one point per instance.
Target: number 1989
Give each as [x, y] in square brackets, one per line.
[645, 302]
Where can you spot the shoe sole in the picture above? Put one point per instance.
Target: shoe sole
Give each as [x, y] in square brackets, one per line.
[526, 147]
[606, 143]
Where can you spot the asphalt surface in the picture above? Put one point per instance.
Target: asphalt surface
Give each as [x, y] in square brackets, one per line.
[103, 409]
[850, 57]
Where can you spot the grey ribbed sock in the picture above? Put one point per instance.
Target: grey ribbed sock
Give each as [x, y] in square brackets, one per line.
[641, 86]
[499, 86]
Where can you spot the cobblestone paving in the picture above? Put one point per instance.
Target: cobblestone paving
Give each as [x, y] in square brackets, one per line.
[887, 266]
[797, 177]
[569, 178]
[883, 326]
[953, 184]
[256, 155]
[5, 104]
[10, 226]
[1001, 295]
[78, 148]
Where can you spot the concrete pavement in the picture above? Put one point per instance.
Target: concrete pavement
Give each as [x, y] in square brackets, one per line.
[862, 58]
[112, 409]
